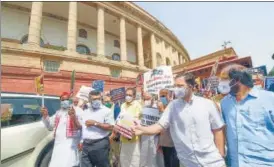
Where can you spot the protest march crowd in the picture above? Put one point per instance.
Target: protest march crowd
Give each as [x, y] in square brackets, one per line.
[169, 126]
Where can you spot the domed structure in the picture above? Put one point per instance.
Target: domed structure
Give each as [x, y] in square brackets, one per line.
[110, 41]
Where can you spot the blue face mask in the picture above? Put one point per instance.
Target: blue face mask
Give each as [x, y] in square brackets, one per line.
[96, 104]
[164, 100]
[65, 104]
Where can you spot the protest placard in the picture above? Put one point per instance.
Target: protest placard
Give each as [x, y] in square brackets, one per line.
[213, 82]
[98, 85]
[83, 93]
[118, 95]
[150, 116]
[269, 84]
[157, 79]
[123, 125]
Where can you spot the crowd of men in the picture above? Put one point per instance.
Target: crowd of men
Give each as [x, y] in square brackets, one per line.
[193, 131]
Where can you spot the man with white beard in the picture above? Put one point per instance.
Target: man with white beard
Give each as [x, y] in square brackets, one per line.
[66, 133]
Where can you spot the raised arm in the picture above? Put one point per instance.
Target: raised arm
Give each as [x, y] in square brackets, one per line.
[48, 121]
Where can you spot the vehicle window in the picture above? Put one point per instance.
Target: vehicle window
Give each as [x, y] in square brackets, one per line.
[52, 105]
[18, 111]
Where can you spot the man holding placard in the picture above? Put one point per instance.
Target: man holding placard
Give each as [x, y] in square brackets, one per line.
[197, 132]
[150, 155]
[66, 133]
[130, 144]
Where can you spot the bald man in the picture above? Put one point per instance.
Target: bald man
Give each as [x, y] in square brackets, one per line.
[249, 116]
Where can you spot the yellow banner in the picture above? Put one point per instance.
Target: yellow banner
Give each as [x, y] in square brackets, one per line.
[39, 84]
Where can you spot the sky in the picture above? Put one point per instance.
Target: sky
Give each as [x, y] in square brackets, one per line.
[202, 27]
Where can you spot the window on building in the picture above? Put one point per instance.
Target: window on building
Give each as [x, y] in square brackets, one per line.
[159, 59]
[83, 49]
[51, 66]
[115, 73]
[173, 50]
[117, 43]
[26, 37]
[83, 33]
[116, 57]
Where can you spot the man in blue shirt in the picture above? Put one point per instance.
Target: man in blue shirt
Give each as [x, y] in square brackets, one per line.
[249, 116]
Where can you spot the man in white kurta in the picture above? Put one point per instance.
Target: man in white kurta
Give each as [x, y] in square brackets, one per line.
[65, 145]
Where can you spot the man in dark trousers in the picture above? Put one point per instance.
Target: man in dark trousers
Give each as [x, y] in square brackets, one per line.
[97, 122]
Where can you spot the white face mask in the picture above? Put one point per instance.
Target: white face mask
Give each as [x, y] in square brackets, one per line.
[129, 99]
[180, 92]
[224, 87]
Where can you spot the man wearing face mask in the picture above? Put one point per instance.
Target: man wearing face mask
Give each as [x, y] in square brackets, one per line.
[66, 133]
[96, 122]
[195, 125]
[165, 141]
[130, 148]
[249, 116]
[150, 155]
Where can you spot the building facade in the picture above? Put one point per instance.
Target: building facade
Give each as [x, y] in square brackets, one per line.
[111, 41]
[202, 66]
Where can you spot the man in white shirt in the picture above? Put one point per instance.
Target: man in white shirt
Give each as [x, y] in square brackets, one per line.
[96, 122]
[66, 133]
[196, 126]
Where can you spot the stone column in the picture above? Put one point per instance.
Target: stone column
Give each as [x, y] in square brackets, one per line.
[72, 27]
[181, 58]
[140, 46]
[123, 40]
[163, 52]
[100, 31]
[35, 24]
[178, 57]
[170, 55]
[153, 53]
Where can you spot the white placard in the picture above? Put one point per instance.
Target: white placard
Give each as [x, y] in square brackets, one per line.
[83, 93]
[157, 79]
[150, 116]
[124, 123]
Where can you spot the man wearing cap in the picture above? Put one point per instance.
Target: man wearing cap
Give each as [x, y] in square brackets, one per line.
[66, 133]
[249, 116]
[96, 122]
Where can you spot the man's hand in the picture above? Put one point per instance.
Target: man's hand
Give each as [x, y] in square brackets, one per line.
[80, 146]
[90, 123]
[137, 128]
[44, 112]
[160, 106]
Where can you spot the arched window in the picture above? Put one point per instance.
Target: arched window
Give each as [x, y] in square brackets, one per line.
[26, 37]
[83, 33]
[116, 57]
[159, 59]
[167, 61]
[83, 49]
